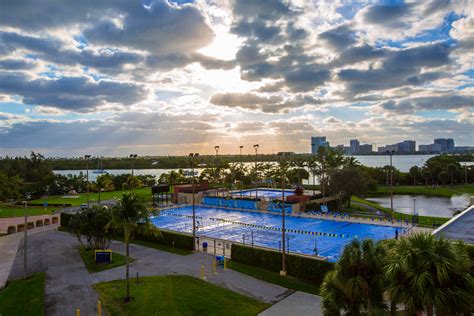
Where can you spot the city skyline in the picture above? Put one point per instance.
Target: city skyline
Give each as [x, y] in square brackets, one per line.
[172, 77]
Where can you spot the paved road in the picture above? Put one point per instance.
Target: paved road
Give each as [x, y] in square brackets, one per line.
[298, 303]
[68, 284]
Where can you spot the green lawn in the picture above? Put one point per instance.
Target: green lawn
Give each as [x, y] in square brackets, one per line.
[88, 256]
[175, 295]
[19, 211]
[23, 297]
[446, 191]
[274, 277]
[93, 197]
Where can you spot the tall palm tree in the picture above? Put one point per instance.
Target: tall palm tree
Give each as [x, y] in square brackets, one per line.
[357, 281]
[425, 273]
[130, 214]
[452, 168]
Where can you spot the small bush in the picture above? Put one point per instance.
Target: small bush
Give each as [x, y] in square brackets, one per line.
[47, 221]
[55, 220]
[65, 218]
[31, 225]
[39, 223]
[304, 268]
[11, 229]
[20, 227]
[168, 238]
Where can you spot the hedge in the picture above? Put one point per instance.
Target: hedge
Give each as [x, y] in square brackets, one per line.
[39, 223]
[65, 218]
[303, 268]
[31, 225]
[167, 238]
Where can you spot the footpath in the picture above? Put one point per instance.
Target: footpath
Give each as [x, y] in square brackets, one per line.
[68, 283]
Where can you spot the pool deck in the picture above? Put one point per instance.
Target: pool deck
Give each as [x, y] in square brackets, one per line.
[349, 219]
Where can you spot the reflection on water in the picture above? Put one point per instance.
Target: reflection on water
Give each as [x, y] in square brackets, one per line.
[425, 205]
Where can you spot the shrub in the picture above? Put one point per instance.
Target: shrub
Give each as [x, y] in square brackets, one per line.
[39, 223]
[11, 229]
[304, 268]
[65, 218]
[20, 227]
[31, 225]
[55, 220]
[168, 238]
[47, 221]
[89, 227]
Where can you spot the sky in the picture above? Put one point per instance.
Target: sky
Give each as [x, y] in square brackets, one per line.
[154, 77]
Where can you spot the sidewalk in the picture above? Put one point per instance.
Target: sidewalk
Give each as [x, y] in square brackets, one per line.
[8, 250]
[298, 303]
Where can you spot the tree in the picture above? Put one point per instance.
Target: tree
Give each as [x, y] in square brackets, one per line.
[357, 282]
[349, 181]
[452, 169]
[103, 183]
[9, 187]
[130, 214]
[443, 177]
[89, 227]
[426, 174]
[426, 272]
[414, 173]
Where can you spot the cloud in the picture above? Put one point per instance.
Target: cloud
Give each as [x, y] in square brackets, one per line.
[340, 37]
[403, 67]
[160, 29]
[449, 101]
[79, 94]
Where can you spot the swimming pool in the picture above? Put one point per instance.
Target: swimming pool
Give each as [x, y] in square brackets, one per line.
[266, 193]
[304, 234]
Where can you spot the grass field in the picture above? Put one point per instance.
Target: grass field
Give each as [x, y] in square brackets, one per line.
[446, 191]
[175, 295]
[179, 251]
[23, 297]
[274, 277]
[93, 197]
[88, 256]
[18, 211]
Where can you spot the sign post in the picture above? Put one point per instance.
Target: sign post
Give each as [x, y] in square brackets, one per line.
[103, 256]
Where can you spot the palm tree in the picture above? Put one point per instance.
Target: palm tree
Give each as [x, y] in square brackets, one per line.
[357, 281]
[452, 168]
[130, 214]
[414, 173]
[104, 183]
[443, 177]
[425, 272]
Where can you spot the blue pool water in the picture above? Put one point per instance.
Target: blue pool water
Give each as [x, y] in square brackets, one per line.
[267, 193]
[304, 234]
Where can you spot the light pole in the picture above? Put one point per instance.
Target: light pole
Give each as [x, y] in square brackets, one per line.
[465, 173]
[241, 171]
[256, 169]
[414, 212]
[192, 155]
[133, 157]
[216, 148]
[283, 268]
[25, 240]
[87, 157]
[391, 152]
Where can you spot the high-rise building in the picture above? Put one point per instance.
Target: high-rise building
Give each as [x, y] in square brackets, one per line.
[318, 141]
[446, 144]
[355, 144]
[407, 147]
[365, 149]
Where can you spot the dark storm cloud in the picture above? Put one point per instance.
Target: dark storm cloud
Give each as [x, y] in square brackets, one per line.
[262, 103]
[159, 29]
[340, 37]
[450, 101]
[389, 15]
[398, 69]
[70, 93]
[52, 50]
[16, 64]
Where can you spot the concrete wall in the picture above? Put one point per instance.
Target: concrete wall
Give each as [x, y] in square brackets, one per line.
[14, 221]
